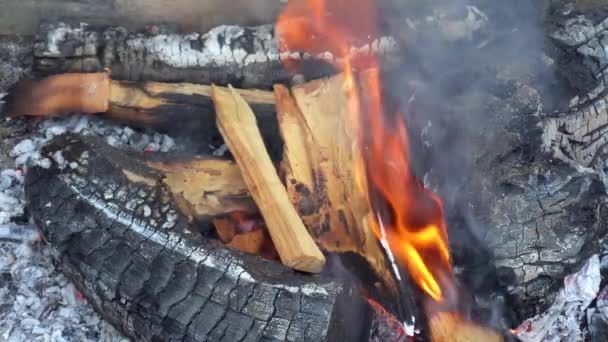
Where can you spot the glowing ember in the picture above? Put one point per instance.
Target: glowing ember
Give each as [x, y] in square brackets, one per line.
[408, 219]
[245, 224]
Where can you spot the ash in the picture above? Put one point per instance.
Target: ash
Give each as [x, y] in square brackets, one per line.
[580, 311]
[37, 303]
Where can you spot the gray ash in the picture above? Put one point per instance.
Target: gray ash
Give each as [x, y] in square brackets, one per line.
[37, 302]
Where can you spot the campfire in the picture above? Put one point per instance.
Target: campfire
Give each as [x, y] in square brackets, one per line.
[319, 218]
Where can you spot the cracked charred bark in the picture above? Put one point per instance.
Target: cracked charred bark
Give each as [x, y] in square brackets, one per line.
[242, 56]
[528, 184]
[578, 136]
[537, 216]
[130, 251]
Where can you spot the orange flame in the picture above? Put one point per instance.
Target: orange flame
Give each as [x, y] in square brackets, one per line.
[409, 219]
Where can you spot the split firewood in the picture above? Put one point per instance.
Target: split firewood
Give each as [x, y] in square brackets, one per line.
[206, 188]
[213, 190]
[238, 126]
[319, 151]
[449, 327]
[164, 104]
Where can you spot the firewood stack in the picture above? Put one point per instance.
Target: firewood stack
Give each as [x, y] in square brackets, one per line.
[297, 210]
[314, 207]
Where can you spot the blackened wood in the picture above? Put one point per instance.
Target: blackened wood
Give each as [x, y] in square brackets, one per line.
[242, 56]
[579, 44]
[129, 250]
[185, 107]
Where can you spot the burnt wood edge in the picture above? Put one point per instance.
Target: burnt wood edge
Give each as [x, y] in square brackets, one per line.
[145, 273]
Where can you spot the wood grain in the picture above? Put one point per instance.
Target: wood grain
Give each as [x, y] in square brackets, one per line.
[238, 126]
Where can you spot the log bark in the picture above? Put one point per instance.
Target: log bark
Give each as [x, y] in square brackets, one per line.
[320, 147]
[238, 126]
[128, 248]
[18, 17]
[242, 56]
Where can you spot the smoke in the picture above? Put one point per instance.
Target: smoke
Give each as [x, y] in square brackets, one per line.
[464, 66]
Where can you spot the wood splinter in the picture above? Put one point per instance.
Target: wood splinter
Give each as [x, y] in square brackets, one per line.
[237, 124]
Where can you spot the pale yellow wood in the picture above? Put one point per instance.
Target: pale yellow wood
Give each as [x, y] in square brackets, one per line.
[238, 126]
[211, 187]
[320, 152]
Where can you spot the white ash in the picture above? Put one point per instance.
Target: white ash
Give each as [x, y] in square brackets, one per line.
[220, 151]
[11, 195]
[27, 152]
[37, 303]
[563, 320]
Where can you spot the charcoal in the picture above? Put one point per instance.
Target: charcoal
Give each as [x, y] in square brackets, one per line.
[153, 277]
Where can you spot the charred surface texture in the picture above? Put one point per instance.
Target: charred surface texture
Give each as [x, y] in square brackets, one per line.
[129, 250]
[578, 136]
[241, 56]
[532, 215]
[537, 215]
[581, 41]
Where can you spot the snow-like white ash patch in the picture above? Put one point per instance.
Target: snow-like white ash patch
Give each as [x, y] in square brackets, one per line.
[38, 303]
[563, 320]
[27, 152]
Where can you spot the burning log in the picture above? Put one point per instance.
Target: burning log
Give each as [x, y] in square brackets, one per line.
[238, 126]
[127, 247]
[317, 163]
[242, 56]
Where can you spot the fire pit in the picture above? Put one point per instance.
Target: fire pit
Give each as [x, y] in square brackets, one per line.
[371, 186]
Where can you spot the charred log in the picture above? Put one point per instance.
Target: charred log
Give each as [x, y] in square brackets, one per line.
[535, 216]
[241, 56]
[580, 42]
[130, 251]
